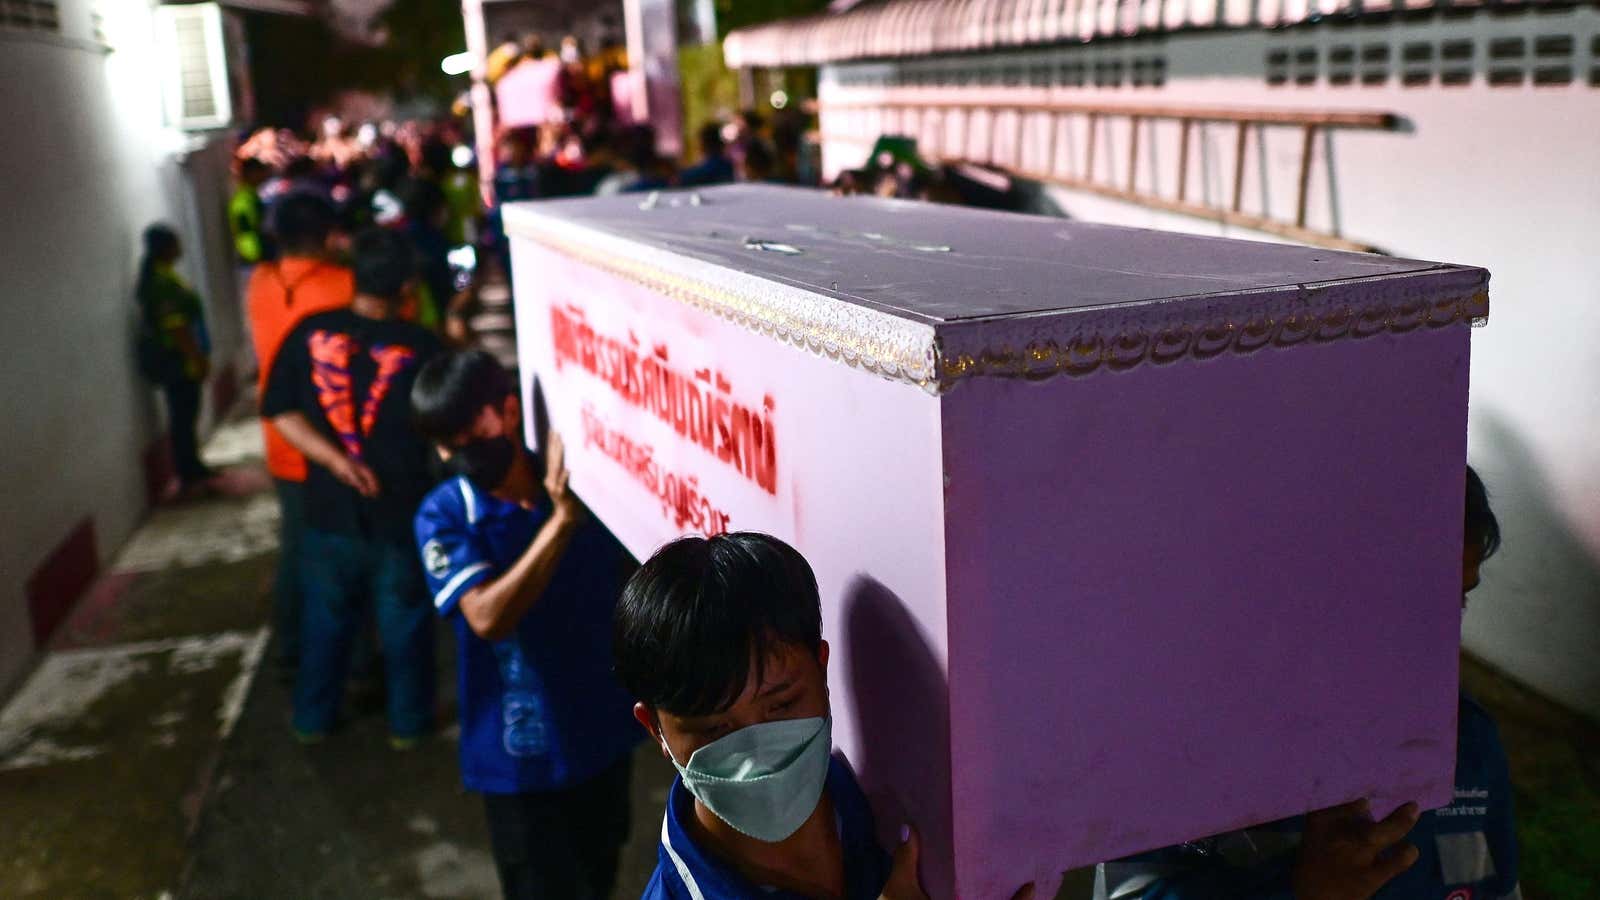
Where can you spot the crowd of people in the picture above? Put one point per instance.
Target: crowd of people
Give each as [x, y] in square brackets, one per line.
[408, 493]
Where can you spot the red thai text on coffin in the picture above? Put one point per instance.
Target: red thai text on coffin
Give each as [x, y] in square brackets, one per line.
[698, 405]
[681, 500]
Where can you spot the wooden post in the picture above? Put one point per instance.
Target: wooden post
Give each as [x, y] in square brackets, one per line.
[1050, 156]
[747, 87]
[1016, 144]
[1307, 148]
[1133, 153]
[1239, 148]
[1183, 157]
[1088, 157]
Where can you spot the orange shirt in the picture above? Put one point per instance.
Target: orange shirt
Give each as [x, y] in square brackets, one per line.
[280, 294]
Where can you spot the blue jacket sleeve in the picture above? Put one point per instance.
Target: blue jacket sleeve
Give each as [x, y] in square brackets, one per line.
[1500, 824]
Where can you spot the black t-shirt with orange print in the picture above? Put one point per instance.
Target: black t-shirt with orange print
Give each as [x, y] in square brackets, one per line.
[351, 377]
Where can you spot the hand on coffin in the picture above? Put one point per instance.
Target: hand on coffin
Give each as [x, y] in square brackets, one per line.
[357, 475]
[1344, 855]
[567, 505]
[903, 883]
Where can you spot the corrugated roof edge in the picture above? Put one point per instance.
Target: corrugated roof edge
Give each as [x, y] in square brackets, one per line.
[1117, 337]
[907, 28]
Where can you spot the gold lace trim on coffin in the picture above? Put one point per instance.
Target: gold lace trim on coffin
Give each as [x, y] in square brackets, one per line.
[1086, 353]
[900, 350]
[911, 357]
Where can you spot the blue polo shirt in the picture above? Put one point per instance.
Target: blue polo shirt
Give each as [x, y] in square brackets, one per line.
[540, 710]
[685, 872]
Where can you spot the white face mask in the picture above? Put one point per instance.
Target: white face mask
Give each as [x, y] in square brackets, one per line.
[763, 780]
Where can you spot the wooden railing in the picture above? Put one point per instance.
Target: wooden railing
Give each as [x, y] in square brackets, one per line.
[932, 121]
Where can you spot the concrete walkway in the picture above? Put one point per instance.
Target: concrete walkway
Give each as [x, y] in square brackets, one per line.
[149, 754]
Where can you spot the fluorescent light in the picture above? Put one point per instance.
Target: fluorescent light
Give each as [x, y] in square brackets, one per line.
[457, 63]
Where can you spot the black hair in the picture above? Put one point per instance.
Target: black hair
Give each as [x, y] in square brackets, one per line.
[788, 133]
[1482, 528]
[390, 166]
[160, 242]
[302, 222]
[453, 388]
[759, 161]
[639, 146]
[300, 167]
[695, 618]
[383, 263]
[422, 199]
[251, 165]
[435, 154]
[711, 143]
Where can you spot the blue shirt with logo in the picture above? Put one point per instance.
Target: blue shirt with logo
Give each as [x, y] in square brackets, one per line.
[1466, 851]
[540, 710]
[685, 872]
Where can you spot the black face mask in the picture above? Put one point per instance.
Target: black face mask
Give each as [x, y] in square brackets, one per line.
[484, 461]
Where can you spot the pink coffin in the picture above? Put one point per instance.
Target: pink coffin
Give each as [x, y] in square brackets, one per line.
[1124, 537]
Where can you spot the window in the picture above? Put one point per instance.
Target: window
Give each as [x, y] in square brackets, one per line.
[196, 79]
[1553, 45]
[1305, 66]
[1455, 67]
[1508, 48]
[30, 15]
[1374, 64]
[1550, 75]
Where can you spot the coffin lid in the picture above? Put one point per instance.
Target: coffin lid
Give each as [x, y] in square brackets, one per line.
[932, 294]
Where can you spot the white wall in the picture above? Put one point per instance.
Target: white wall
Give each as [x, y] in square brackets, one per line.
[86, 165]
[1503, 177]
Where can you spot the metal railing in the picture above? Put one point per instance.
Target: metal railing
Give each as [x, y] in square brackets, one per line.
[932, 121]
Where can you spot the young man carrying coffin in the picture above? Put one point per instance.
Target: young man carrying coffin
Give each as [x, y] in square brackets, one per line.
[1465, 851]
[720, 640]
[529, 582]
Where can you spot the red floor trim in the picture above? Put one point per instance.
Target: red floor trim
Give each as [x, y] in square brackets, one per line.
[58, 581]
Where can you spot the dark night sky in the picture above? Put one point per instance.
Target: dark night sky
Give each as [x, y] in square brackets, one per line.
[297, 64]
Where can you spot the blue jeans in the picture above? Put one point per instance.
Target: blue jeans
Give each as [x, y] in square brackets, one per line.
[286, 594]
[337, 573]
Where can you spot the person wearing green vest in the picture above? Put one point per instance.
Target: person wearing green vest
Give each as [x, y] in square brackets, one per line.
[244, 212]
[174, 349]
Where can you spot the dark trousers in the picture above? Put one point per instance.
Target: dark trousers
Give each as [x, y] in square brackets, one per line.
[183, 411]
[337, 573]
[286, 593]
[562, 845]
